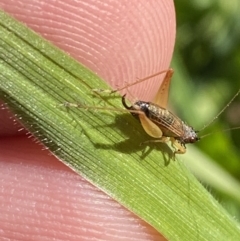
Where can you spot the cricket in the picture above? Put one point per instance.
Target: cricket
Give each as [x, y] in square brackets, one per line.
[157, 121]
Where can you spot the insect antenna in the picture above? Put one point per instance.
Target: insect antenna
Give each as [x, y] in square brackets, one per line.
[228, 129]
[224, 108]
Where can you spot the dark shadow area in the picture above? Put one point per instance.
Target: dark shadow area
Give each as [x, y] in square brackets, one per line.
[134, 141]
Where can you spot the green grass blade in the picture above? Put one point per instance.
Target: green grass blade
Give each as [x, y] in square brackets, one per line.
[36, 79]
[203, 166]
[209, 172]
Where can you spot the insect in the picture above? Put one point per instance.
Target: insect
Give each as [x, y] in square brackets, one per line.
[157, 121]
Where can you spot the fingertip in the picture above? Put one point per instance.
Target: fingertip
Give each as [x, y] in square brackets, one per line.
[119, 40]
[41, 197]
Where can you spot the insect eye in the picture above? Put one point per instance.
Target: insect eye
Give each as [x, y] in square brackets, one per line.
[193, 139]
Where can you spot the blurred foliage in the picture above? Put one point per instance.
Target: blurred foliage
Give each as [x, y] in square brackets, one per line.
[207, 61]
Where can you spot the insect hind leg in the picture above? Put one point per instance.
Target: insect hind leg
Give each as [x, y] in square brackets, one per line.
[108, 91]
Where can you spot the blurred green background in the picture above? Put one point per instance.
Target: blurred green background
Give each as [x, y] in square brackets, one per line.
[207, 62]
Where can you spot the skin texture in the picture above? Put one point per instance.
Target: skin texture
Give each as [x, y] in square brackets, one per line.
[40, 198]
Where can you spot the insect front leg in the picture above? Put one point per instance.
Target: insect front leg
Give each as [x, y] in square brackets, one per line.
[163, 139]
[178, 146]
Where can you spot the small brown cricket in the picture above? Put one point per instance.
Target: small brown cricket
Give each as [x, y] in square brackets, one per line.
[160, 123]
[156, 120]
